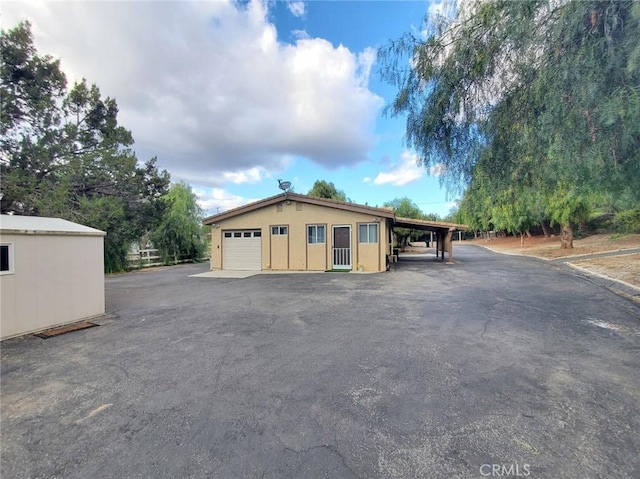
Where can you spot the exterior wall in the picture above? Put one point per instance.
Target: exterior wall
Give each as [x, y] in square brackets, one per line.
[292, 252]
[278, 258]
[56, 280]
[318, 254]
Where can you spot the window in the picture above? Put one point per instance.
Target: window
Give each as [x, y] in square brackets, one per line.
[247, 234]
[315, 234]
[279, 230]
[257, 234]
[368, 233]
[6, 258]
[237, 234]
[227, 235]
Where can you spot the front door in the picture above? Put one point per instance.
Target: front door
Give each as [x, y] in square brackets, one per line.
[341, 247]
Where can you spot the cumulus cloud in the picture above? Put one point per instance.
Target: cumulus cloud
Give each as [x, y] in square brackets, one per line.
[217, 200]
[207, 87]
[300, 34]
[251, 176]
[296, 8]
[402, 172]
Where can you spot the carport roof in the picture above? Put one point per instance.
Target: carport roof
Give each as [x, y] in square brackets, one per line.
[426, 225]
[340, 205]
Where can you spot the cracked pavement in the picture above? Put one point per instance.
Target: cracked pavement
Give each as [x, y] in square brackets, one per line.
[430, 370]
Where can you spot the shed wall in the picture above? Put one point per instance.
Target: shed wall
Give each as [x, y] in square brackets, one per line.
[57, 279]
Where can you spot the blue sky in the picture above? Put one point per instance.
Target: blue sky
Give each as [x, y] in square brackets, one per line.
[230, 96]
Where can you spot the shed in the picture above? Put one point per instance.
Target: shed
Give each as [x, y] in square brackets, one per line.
[51, 273]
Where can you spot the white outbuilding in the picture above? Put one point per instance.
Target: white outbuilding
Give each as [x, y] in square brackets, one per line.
[51, 273]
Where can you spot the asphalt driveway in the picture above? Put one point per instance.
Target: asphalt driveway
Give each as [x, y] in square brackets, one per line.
[498, 366]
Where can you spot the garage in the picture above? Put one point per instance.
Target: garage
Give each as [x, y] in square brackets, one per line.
[242, 250]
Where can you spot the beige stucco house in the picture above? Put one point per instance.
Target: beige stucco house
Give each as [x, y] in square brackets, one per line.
[303, 233]
[51, 273]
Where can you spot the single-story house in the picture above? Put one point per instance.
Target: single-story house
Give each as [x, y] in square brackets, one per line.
[296, 232]
[51, 273]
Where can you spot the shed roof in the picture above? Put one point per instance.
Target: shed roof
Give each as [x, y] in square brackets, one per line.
[15, 224]
[340, 205]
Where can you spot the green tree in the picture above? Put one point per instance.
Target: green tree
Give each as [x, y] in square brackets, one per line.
[180, 234]
[477, 203]
[513, 212]
[63, 153]
[535, 96]
[322, 189]
[405, 208]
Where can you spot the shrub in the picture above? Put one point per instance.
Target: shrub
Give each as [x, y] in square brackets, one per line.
[601, 223]
[627, 221]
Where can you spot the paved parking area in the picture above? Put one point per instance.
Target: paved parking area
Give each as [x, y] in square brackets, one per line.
[497, 366]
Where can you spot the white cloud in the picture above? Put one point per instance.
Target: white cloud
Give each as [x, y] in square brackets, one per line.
[300, 34]
[251, 176]
[438, 169]
[218, 200]
[442, 8]
[207, 87]
[400, 173]
[296, 8]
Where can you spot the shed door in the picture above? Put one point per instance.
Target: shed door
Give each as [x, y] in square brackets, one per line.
[242, 250]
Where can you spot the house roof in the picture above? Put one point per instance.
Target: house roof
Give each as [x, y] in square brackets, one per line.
[14, 224]
[340, 205]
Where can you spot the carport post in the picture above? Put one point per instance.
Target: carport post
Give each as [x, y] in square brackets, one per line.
[437, 245]
[450, 246]
[443, 242]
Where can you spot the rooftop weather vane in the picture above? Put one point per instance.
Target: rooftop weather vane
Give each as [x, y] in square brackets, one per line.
[284, 185]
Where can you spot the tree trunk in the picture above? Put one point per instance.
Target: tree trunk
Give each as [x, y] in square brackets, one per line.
[528, 233]
[545, 230]
[566, 237]
[475, 234]
[521, 239]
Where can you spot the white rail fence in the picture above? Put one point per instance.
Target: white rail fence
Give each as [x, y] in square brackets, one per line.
[148, 257]
[144, 258]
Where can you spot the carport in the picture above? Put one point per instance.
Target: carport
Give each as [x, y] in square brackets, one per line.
[443, 231]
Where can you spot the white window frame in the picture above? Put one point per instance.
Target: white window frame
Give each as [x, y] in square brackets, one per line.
[312, 238]
[12, 264]
[367, 240]
[277, 230]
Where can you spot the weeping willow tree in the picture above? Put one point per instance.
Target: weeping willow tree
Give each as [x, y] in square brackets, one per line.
[536, 97]
[180, 235]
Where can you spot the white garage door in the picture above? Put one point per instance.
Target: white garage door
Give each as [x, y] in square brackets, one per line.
[242, 250]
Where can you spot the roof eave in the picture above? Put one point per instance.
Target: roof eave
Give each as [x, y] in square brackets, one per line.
[354, 207]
